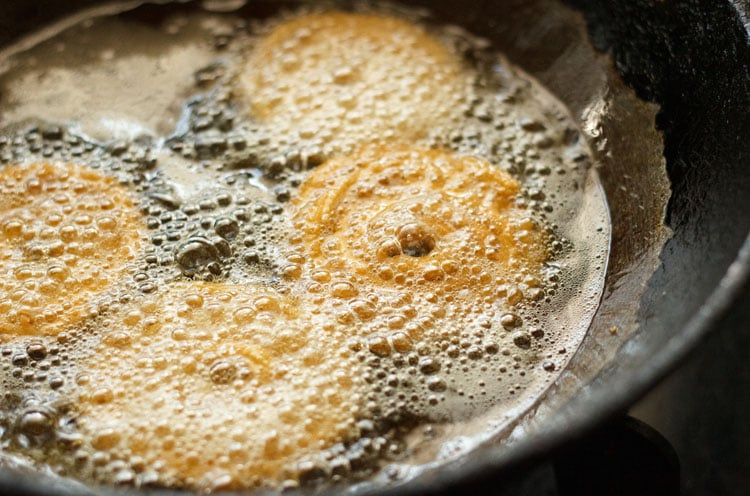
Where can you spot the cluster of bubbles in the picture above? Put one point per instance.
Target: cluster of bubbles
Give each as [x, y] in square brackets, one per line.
[334, 81]
[66, 231]
[219, 385]
[313, 264]
[418, 218]
[422, 257]
[221, 232]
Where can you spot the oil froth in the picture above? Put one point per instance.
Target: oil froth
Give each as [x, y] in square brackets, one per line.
[328, 249]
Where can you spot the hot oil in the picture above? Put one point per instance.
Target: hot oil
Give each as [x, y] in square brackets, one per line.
[225, 327]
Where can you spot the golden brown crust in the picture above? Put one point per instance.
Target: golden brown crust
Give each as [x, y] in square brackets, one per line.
[349, 79]
[66, 232]
[415, 218]
[204, 368]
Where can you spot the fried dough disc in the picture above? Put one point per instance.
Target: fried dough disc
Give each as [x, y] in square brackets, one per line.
[217, 385]
[402, 218]
[66, 232]
[350, 79]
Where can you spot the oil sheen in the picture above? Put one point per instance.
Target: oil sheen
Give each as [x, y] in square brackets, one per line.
[257, 246]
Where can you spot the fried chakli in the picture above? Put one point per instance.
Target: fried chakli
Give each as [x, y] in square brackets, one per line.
[219, 385]
[410, 218]
[345, 79]
[66, 232]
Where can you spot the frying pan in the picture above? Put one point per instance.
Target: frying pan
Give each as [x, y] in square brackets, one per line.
[662, 91]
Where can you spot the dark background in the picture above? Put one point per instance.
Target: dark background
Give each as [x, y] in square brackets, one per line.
[703, 409]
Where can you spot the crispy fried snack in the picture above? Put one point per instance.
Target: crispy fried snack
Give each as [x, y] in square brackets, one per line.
[349, 79]
[217, 385]
[66, 233]
[411, 218]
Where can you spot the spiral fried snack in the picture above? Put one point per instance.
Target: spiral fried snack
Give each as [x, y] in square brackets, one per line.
[66, 232]
[346, 79]
[218, 385]
[410, 218]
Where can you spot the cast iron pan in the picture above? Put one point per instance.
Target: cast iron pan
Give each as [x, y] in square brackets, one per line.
[662, 91]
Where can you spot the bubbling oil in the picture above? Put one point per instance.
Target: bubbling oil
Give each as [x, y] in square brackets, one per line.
[354, 78]
[327, 230]
[66, 233]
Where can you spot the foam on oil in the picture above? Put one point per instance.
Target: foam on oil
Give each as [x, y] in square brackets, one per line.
[278, 322]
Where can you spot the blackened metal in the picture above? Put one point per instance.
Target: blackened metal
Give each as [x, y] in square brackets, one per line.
[625, 458]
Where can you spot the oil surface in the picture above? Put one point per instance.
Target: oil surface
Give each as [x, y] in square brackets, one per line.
[338, 235]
